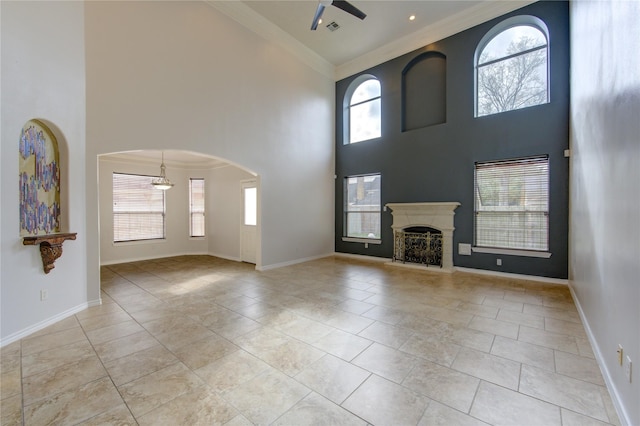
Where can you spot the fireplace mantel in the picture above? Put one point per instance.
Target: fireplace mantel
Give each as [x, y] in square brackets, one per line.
[438, 215]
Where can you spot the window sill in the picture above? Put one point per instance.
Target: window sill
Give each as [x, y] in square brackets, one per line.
[512, 252]
[138, 242]
[361, 240]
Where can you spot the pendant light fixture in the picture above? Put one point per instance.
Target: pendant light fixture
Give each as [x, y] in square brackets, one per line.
[162, 182]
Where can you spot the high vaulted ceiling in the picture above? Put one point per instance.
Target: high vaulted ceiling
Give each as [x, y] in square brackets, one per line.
[385, 33]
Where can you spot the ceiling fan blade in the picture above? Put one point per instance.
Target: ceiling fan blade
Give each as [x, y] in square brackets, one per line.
[317, 16]
[349, 8]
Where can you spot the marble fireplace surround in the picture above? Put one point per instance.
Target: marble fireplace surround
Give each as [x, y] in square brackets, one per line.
[438, 215]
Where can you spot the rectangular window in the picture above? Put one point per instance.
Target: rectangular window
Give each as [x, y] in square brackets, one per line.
[196, 207]
[138, 208]
[362, 206]
[512, 204]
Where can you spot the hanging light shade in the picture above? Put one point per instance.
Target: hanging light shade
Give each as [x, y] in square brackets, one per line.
[162, 182]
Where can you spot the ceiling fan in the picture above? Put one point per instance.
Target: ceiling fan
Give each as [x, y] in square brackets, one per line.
[340, 4]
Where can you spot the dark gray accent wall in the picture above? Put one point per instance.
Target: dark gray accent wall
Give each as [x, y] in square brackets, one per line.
[436, 163]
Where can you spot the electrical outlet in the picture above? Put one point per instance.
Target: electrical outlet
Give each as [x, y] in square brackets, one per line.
[619, 351]
[499, 262]
[44, 295]
[628, 368]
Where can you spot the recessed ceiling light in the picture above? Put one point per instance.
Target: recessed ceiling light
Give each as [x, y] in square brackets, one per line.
[412, 17]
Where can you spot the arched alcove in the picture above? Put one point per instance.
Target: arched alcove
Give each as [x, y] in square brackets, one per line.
[424, 91]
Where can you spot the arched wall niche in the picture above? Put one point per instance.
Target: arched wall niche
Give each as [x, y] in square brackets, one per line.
[424, 91]
[43, 179]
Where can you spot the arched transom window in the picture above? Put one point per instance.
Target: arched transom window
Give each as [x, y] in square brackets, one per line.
[512, 66]
[362, 112]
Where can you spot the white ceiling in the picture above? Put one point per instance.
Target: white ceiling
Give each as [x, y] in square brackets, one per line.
[386, 21]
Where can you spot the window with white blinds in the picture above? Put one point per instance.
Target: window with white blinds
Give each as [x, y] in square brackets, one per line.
[196, 207]
[512, 204]
[138, 208]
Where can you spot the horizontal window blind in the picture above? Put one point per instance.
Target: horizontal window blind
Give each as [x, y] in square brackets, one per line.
[138, 208]
[362, 206]
[512, 204]
[196, 207]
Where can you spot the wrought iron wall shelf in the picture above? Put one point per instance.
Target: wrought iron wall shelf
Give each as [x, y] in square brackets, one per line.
[50, 247]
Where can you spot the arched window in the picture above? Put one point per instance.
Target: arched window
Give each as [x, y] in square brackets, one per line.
[512, 66]
[362, 110]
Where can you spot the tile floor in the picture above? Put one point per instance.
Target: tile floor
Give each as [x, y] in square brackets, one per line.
[201, 340]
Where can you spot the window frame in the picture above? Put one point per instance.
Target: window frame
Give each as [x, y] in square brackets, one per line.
[346, 212]
[191, 208]
[347, 105]
[515, 21]
[518, 251]
[146, 179]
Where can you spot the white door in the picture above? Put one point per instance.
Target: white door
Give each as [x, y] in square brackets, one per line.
[249, 226]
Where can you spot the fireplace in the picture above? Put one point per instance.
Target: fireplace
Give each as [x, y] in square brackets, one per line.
[418, 244]
[423, 234]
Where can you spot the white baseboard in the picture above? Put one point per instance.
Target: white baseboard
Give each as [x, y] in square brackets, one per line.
[625, 419]
[291, 262]
[362, 257]
[561, 281]
[226, 257]
[49, 321]
[143, 258]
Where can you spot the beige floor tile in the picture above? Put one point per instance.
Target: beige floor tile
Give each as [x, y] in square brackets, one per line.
[113, 331]
[479, 310]
[500, 406]
[578, 367]
[231, 370]
[153, 390]
[65, 324]
[74, 405]
[575, 395]
[499, 328]
[438, 414]
[525, 353]
[555, 313]
[565, 327]
[56, 357]
[266, 397]
[355, 306]
[342, 344]
[260, 340]
[11, 410]
[432, 348]
[35, 344]
[119, 415]
[505, 305]
[10, 383]
[386, 362]
[443, 384]
[382, 402]
[494, 369]
[384, 314]
[560, 342]
[123, 346]
[202, 352]
[519, 318]
[386, 334]
[569, 418]
[133, 366]
[291, 357]
[113, 316]
[332, 377]
[200, 406]
[10, 356]
[316, 410]
[304, 329]
[60, 379]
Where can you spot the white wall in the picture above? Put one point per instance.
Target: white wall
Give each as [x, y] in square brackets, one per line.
[43, 76]
[181, 75]
[224, 211]
[605, 186]
[177, 241]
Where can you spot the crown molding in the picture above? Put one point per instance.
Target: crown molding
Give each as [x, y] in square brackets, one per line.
[255, 22]
[444, 28]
